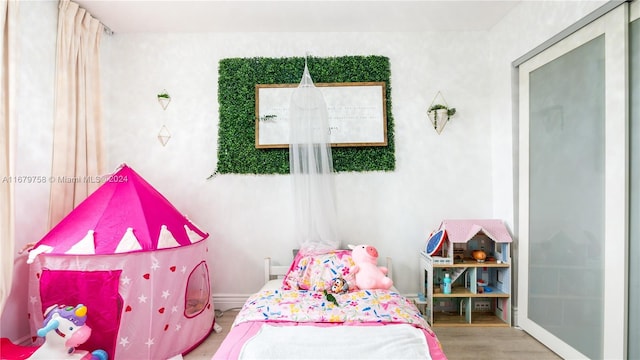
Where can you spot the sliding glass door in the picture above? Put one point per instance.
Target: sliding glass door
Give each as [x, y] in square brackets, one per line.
[573, 192]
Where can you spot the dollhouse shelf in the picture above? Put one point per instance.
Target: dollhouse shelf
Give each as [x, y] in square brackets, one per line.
[468, 304]
[463, 292]
[479, 319]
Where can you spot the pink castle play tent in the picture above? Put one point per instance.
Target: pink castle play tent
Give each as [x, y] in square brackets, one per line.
[136, 262]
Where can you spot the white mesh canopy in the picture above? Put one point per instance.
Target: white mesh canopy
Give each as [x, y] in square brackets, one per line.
[315, 219]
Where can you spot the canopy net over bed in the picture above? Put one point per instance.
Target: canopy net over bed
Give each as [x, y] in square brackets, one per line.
[311, 167]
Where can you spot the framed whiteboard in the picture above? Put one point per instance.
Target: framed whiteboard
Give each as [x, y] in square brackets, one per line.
[357, 114]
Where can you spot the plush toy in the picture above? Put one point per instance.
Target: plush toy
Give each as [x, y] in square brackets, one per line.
[64, 329]
[339, 286]
[368, 274]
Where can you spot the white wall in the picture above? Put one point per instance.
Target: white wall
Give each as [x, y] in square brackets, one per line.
[464, 172]
[248, 216]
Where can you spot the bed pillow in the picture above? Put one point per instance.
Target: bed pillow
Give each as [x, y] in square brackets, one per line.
[317, 272]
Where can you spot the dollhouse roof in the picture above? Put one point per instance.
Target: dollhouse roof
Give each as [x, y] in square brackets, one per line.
[461, 231]
[125, 214]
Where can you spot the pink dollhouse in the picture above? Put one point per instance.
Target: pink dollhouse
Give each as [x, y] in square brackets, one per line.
[457, 239]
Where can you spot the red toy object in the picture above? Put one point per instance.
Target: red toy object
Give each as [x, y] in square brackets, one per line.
[11, 351]
[434, 244]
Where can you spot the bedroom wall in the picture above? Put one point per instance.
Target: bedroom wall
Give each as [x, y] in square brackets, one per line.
[464, 172]
[248, 216]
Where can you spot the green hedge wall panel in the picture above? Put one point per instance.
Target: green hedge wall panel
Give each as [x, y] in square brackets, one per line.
[236, 97]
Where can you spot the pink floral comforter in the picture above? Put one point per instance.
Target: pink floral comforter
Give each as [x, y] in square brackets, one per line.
[298, 307]
[311, 306]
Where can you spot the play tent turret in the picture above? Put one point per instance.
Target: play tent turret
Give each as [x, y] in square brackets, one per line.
[136, 262]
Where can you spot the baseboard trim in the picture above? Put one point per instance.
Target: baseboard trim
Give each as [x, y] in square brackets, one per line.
[225, 302]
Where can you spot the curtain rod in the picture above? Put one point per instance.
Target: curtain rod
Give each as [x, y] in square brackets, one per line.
[107, 30]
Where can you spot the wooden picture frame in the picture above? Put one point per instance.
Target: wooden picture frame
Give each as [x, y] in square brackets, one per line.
[357, 114]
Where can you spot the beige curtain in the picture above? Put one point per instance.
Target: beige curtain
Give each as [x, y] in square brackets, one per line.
[77, 139]
[8, 26]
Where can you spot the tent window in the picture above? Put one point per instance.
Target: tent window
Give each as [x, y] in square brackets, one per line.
[198, 291]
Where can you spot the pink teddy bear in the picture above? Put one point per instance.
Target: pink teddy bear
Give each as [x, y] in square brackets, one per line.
[368, 275]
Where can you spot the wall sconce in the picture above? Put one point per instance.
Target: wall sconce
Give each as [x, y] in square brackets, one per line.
[164, 135]
[439, 112]
[164, 99]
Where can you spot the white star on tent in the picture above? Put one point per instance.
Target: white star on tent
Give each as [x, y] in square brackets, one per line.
[84, 246]
[126, 280]
[155, 265]
[166, 294]
[33, 299]
[149, 342]
[178, 327]
[124, 341]
[174, 309]
[142, 298]
[128, 243]
[184, 269]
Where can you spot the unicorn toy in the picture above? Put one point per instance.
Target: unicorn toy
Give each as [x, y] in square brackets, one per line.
[64, 329]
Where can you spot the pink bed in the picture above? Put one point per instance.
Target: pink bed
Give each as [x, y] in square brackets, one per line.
[296, 318]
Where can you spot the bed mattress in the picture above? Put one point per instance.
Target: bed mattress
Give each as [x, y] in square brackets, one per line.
[294, 324]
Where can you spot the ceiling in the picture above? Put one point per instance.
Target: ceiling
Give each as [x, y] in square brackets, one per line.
[134, 16]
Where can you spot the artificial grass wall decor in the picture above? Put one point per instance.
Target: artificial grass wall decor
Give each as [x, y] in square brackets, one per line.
[236, 96]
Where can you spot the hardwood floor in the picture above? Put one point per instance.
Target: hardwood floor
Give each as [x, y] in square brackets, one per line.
[211, 344]
[495, 343]
[459, 343]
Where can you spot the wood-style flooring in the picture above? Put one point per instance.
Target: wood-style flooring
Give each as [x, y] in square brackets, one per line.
[459, 343]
